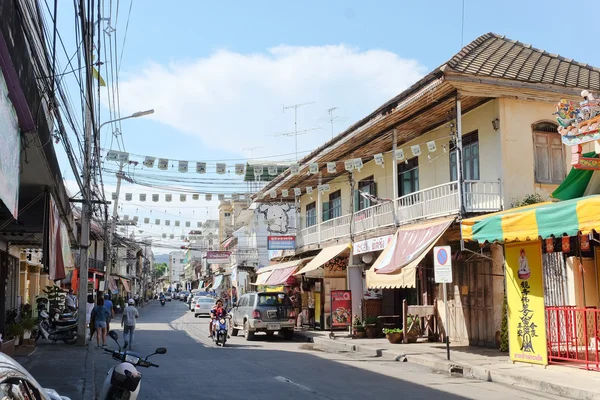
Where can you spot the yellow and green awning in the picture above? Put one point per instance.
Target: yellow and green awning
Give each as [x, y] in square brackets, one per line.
[534, 221]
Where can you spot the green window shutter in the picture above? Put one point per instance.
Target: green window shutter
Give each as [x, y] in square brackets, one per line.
[326, 211]
[356, 200]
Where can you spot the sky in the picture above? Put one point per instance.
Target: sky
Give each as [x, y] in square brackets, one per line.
[219, 74]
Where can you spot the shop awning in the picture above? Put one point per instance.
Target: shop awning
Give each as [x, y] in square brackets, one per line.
[262, 276]
[579, 183]
[280, 276]
[538, 220]
[404, 278]
[112, 284]
[126, 285]
[218, 281]
[409, 245]
[325, 255]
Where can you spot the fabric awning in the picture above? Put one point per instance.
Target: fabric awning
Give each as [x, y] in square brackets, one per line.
[404, 278]
[126, 284]
[262, 277]
[280, 276]
[408, 244]
[218, 281]
[534, 221]
[112, 284]
[579, 183]
[325, 255]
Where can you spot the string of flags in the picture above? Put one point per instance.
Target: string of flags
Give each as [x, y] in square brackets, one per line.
[182, 197]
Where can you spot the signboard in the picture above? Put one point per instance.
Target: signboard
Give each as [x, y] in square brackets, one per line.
[525, 298]
[341, 308]
[375, 244]
[10, 151]
[281, 242]
[442, 264]
[218, 257]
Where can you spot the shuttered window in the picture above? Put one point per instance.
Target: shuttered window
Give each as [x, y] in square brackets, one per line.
[311, 214]
[549, 154]
[470, 153]
[408, 176]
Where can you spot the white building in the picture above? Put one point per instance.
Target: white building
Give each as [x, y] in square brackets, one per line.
[176, 265]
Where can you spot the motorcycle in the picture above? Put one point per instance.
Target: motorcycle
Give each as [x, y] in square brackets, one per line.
[219, 333]
[162, 301]
[56, 329]
[123, 381]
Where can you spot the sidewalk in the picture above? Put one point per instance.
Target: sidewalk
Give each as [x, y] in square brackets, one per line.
[471, 362]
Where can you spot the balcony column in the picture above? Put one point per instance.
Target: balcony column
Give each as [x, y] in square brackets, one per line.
[395, 177]
[459, 157]
[319, 208]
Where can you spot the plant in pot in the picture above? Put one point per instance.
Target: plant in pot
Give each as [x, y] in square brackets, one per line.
[358, 329]
[371, 327]
[15, 330]
[413, 324]
[29, 325]
[394, 335]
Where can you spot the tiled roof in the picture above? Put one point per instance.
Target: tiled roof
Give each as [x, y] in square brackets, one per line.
[496, 56]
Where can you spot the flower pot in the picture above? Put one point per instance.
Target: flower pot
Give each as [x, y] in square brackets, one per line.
[411, 337]
[26, 335]
[17, 340]
[395, 337]
[371, 331]
[356, 334]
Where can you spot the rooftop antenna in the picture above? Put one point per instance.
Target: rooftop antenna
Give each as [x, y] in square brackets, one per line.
[251, 150]
[331, 118]
[296, 107]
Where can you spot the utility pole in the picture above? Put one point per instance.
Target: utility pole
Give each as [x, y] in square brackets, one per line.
[296, 107]
[86, 214]
[331, 118]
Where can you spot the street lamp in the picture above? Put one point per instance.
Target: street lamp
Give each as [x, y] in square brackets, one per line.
[136, 114]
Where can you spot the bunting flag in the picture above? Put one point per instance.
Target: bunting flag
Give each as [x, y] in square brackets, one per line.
[157, 222]
[182, 237]
[258, 170]
[187, 224]
[125, 217]
[431, 146]
[272, 170]
[208, 197]
[349, 165]
[183, 166]
[399, 155]
[142, 196]
[128, 196]
[313, 168]
[379, 159]
[358, 164]
[235, 197]
[149, 162]
[172, 236]
[416, 150]
[176, 223]
[261, 195]
[168, 198]
[135, 219]
[331, 168]
[182, 198]
[146, 220]
[199, 224]
[195, 197]
[164, 235]
[155, 198]
[273, 193]
[308, 190]
[284, 193]
[167, 222]
[221, 168]
[239, 169]
[294, 168]
[297, 191]
[221, 197]
[201, 167]
[114, 196]
[163, 164]
[323, 188]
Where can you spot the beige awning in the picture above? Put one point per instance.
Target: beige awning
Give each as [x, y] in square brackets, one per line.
[264, 273]
[325, 255]
[406, 277]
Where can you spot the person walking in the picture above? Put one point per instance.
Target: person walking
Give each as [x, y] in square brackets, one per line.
[130, 314]
[89, 306]
[101, 316]
[109, 305]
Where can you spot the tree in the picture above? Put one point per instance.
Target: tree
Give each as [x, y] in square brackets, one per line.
[159, 270]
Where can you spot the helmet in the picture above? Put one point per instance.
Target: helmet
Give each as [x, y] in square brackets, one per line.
[131, 301]
[106, 296]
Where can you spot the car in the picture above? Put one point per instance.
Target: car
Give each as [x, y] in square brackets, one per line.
[168, 296]
[267, 312]
[17, 383]
[183, 296]
[203, 305]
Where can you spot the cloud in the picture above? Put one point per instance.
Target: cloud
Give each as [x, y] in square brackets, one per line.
[234, 101]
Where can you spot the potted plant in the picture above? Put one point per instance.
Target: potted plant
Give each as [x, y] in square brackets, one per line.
[394, 335]
[15, 330]
[413, 324]
[29, 324]
[371, 327]
[358, 330]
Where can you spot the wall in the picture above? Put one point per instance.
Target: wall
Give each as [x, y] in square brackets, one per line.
[589, 280]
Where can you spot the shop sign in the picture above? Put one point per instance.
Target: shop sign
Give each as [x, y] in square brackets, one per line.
[341, 308]
[218, 257]
[10, 151]
[525, 297]
[281, 242]
[375, 244]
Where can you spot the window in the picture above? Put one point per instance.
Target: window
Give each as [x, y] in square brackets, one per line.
[333, 208]
[311, 214]
[181, 260]
[470, 153]
[251, 299]
[367, 185]
[548, 153]
[227, 214]
[408, 176]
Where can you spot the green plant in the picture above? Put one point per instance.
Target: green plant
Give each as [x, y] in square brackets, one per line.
[29, 323]
[15, 329]
[356, 321]
[55, 296]
[533, 198]
[371, 321]
[413, 324]
[504, 327]
[392, 330]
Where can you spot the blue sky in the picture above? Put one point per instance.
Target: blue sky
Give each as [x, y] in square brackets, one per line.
[218, 73]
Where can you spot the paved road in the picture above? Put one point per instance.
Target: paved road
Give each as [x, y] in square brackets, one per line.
[267, 369]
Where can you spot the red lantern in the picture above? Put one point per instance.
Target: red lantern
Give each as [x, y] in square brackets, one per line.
[585, 243]
[550, 245]
[566, 244]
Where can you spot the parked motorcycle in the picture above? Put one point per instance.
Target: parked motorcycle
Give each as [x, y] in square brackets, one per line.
[219, 333]
[56, 329]
[123, 381]
[162, 301]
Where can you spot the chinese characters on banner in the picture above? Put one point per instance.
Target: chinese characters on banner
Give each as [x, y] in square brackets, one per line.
[525, 297]
[341, 308]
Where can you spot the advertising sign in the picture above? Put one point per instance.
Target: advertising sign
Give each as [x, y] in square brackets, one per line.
[281, 242]
[218, 257]
[375, 244]
[10, 150]
[525, 297]
[442, 264]
[341, 308]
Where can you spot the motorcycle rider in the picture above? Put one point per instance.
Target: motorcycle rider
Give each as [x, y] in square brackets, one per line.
[217, 312]
[71, 301]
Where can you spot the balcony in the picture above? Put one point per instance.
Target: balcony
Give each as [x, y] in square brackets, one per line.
[437, 201]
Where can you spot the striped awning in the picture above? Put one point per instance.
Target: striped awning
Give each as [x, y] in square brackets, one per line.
[540, 220]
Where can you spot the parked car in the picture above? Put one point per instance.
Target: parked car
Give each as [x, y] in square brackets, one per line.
[203, 305]
[182, 296]
[168, 296]
[17, 383]
[267, 312]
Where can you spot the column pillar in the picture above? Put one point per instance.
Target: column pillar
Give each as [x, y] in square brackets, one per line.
[34, 283]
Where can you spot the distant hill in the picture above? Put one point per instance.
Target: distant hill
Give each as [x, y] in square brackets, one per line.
[161, 258]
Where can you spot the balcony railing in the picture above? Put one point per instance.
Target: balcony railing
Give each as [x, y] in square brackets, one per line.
[437, 201]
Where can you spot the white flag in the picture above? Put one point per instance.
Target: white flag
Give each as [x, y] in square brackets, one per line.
[164, 235]
[195, 197]
[208, 197]
[155, 198]
[177, 223]
[331, 168]
[182, 198]
[157, 222]
[358, 164]
[188, 224]
[378, 159]
[284, 193]
[125, 217]
[313, 168]
[308, 189]
[239, 169]
[272, 170]
[168, 197]
[399, 155]
[183, 166]
[324, 187]
[167, 222]
[182, 237]
[294, 168]
[114, 195]
[349, 165]
[235, 197]
[112, 155]
[135, 219]
[146, 220]
[258, 170]
[201, 167]
[163, 164]
[416, 150]
[142, 196]
[221, 197]
[128, 196]
[149, 162]
[431, 146]
[221, 168]
[260, 195]
[273, 193]
[199, 224]
[297, 191]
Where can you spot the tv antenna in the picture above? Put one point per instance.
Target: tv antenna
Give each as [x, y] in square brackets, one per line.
[251, 150]
[296, 107]
[331, 118]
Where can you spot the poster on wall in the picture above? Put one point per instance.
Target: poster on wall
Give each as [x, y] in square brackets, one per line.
[341, 308]
[60, 257]
[10, 151]
[525, 297]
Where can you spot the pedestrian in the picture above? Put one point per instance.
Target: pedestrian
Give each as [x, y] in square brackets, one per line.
[101, 316]
[130, 314]
[89, 306]
[109, 305]
[71, 301]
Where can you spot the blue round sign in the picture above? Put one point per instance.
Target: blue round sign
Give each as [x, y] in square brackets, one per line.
[442, 257]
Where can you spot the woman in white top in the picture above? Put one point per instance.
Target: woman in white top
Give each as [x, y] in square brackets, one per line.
[89, 306]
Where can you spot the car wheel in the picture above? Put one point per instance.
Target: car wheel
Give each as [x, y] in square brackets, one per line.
[270, 334]
[288, 334]
[247, 334]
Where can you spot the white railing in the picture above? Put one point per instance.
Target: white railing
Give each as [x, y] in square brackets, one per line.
[437, 201]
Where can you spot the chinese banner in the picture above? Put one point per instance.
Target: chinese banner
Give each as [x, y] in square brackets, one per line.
[341, 308]
[525, 297]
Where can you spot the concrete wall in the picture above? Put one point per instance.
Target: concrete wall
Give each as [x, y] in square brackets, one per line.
[584, 276]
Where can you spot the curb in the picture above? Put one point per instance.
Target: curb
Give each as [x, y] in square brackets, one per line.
[466, 370]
